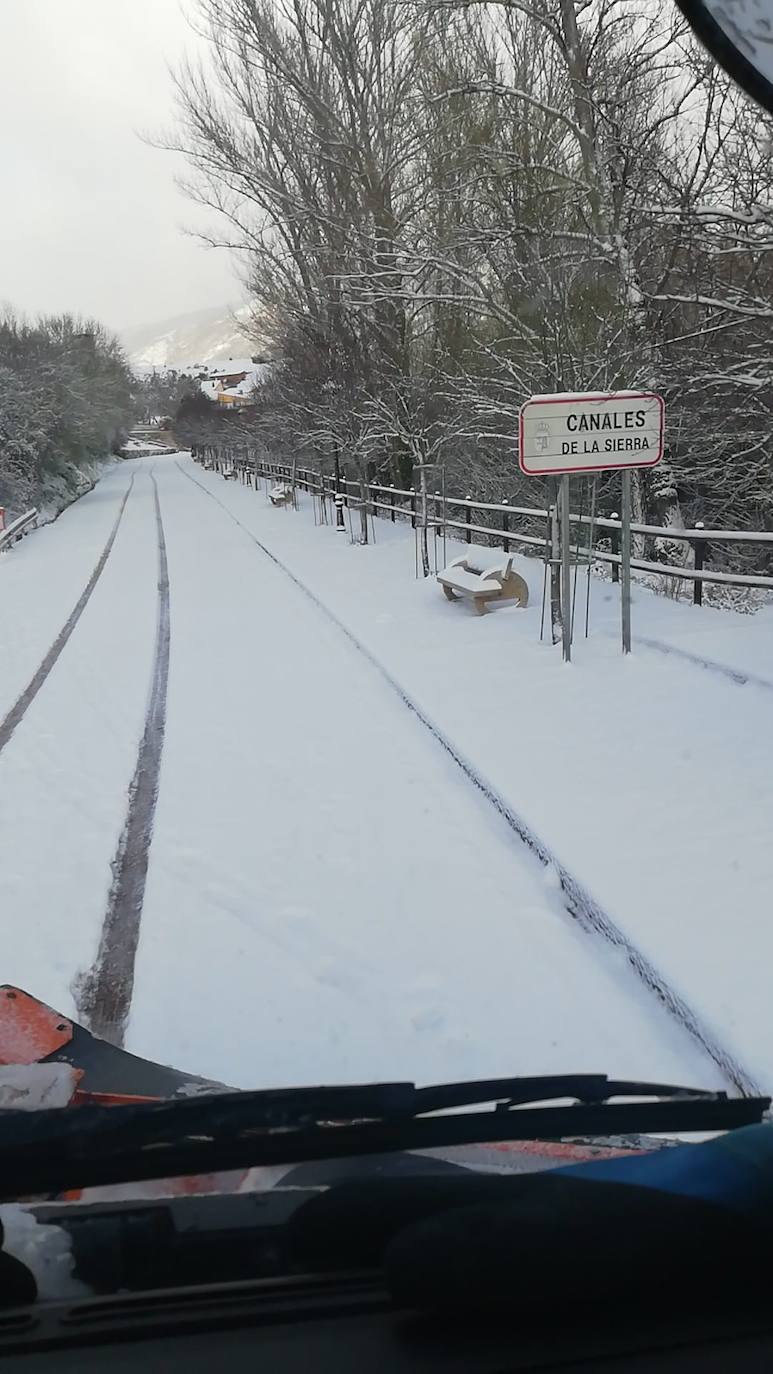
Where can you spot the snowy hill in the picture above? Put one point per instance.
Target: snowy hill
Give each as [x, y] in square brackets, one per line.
[211, 335]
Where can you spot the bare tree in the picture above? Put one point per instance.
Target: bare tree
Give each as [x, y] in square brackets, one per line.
[444, 206]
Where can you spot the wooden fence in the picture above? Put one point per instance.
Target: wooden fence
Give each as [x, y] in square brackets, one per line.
[508, 526]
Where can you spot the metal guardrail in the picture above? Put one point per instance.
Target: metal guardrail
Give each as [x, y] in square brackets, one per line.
[400, 503]
[18, 527]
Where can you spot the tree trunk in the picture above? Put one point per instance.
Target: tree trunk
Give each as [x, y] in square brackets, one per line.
[638, 511]
[423, 519]
[668, 513]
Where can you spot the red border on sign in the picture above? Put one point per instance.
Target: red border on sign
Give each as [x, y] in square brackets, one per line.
[592, 396]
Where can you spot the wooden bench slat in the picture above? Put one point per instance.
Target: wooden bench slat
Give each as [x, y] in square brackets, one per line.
[468, 582]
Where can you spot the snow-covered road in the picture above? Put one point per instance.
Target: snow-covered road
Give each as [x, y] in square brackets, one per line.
[327, 897]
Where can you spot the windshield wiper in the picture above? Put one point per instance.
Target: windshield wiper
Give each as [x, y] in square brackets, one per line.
[59, 1149]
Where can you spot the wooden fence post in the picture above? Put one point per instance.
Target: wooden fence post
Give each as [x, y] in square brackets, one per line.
[615, 543]
[700, 553]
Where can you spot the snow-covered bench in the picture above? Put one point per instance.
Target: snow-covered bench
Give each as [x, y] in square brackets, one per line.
[495, 583]
[280, 496]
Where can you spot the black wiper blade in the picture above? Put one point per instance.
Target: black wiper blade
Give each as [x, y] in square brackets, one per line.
[54, 1150]
[582, 1087]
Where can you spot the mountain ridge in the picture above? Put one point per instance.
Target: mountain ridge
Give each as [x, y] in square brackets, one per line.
[209, 335]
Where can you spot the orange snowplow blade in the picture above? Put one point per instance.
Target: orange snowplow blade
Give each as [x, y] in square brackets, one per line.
[29, 1030]
[33, 1033]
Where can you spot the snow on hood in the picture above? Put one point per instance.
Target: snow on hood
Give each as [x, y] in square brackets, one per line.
[46, 1251]
[27, 1087]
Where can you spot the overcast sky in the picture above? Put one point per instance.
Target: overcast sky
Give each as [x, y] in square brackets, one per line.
[90, 217]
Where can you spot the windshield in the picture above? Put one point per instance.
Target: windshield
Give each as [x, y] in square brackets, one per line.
[386, 520]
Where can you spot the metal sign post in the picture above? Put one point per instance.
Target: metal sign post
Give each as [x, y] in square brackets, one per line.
[625, 562]
[566, 572]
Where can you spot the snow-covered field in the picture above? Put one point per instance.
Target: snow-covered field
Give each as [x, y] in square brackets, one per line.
[328, 896]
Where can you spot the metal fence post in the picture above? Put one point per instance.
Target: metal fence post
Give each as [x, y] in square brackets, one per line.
[467, 521]
[392, 509]
[413, 508]
[505, 528]
[615, 543]
[700, 553]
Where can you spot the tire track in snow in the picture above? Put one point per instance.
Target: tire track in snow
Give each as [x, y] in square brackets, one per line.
[578, 902]
[737, 675]
[25, 700]
[103, 993]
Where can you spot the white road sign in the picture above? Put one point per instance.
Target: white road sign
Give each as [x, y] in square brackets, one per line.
[590, 433]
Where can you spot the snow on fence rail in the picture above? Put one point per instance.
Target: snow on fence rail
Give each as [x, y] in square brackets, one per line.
[16, 529]
[400, 503]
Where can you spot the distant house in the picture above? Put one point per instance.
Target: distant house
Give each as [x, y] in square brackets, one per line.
[229, 379]
[233, 382]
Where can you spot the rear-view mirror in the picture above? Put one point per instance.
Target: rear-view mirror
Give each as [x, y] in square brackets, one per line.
[739, 34]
